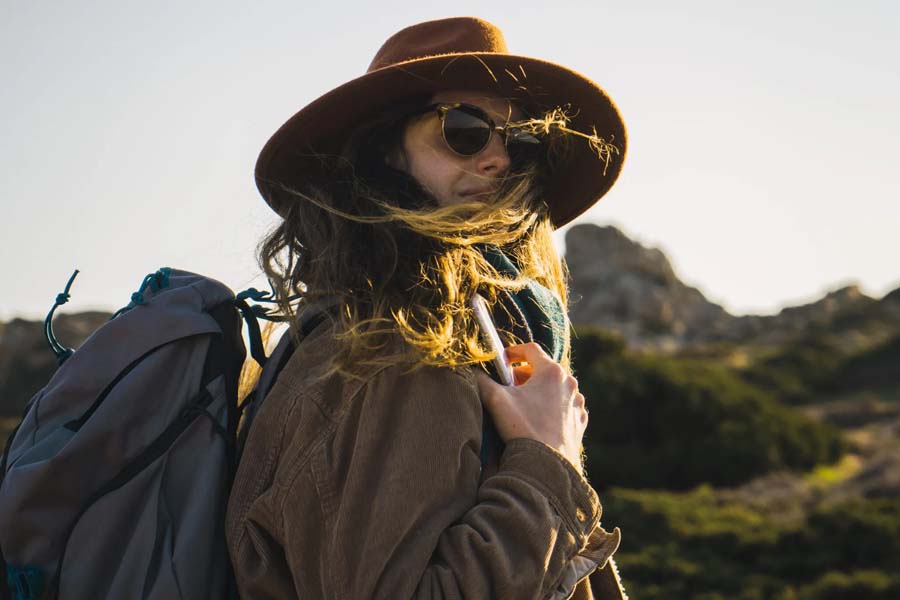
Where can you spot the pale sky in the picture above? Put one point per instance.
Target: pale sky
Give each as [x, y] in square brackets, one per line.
[763, 136]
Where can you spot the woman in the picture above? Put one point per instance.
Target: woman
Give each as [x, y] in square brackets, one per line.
[372, 469]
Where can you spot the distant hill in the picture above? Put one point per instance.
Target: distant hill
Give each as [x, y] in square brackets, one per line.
[619, 285]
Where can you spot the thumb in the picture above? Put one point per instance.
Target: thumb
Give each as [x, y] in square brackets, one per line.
[488, 389]
[484, 382]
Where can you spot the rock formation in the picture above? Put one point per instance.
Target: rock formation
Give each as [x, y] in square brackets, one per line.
[620, 285]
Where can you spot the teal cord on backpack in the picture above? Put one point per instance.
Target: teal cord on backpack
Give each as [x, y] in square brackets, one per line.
[153, 282]
[61, 352]
[252, 314]
[26, 583]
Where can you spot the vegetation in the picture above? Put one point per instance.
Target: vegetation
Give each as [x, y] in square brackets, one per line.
[818, 365]
[799, 372]
[875, 369]
[673, 423]
[667, 433]
[695, 545]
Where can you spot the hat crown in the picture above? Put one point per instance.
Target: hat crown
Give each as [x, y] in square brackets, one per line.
[445, 36]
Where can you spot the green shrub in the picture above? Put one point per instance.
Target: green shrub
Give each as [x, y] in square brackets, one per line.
[856, 585]
[673, 423]
[873, 369]
[686, 545]
[817, 365]
[590, 344]
[801, 370]
[692, 545]
[859, 534]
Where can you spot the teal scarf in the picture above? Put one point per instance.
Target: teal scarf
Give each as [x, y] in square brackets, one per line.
[532, 314]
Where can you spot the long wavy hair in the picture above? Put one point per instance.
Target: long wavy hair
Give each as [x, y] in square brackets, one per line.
[373, 241]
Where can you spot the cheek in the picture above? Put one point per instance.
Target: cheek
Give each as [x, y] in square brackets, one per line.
[431, 168]
[439, 180]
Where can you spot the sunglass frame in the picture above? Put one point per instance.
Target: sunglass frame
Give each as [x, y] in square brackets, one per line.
[508, 132]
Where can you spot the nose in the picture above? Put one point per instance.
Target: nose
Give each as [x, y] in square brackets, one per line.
[493, 161]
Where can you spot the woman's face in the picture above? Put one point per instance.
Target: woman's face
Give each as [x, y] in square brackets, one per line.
[449, 177]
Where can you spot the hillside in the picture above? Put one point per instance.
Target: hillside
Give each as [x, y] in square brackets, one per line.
[619, 285]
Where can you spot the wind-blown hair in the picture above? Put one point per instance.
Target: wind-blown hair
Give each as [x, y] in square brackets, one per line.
[397, 262]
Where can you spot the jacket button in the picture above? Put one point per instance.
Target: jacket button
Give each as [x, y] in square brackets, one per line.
[580, 515]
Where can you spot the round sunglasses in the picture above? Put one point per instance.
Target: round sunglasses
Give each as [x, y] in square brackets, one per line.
[467, 129]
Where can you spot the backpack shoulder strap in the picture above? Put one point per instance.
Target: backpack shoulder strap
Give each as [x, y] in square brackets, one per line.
[308, 320]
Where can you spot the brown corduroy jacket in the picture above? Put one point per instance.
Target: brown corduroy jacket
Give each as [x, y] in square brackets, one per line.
[373, 488]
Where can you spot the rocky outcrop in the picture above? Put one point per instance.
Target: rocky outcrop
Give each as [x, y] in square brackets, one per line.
[621, 285]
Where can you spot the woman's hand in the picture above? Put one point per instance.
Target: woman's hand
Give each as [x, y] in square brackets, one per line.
[545, 405]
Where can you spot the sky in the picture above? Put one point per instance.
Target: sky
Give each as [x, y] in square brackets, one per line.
[763, 136]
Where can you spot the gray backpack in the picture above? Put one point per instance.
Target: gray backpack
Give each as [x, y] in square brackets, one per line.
[116, 482]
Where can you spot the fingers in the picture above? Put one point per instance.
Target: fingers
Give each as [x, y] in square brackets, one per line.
[572, 385]
[581, 406]
[532, 353]
[579, 401]
[537, 359]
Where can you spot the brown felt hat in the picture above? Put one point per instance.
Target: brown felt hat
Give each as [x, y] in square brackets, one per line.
[460, 53]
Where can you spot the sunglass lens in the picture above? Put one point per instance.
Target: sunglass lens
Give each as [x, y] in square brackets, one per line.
[465, 133]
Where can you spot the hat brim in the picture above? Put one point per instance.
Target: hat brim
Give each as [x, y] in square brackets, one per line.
[293, 155]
